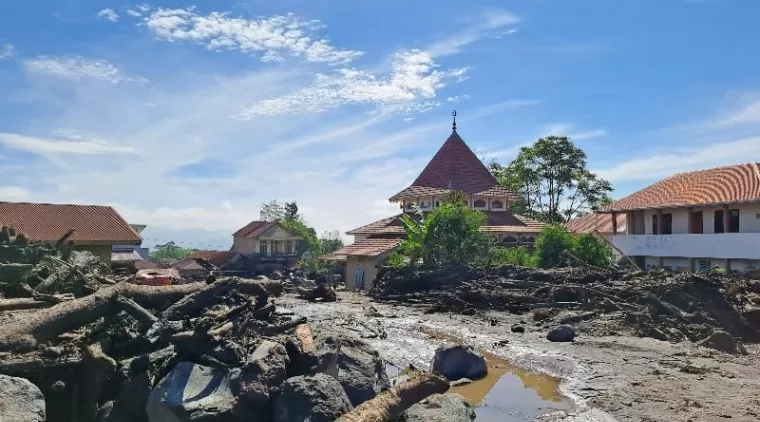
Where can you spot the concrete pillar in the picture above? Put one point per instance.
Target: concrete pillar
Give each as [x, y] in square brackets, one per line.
[725, 218]
[614, 224]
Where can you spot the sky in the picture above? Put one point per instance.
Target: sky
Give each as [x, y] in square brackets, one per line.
[187, 116]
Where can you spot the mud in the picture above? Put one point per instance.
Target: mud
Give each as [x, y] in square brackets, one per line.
[620, 377]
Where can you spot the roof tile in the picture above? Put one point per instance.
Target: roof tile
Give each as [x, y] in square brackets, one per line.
[497, 221]
[721, 185]
[600, 222]
[49, 222]
[370, 246]
[254, 229]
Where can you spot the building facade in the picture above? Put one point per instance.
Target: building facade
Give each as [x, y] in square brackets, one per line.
[694, 221]
[453, 168]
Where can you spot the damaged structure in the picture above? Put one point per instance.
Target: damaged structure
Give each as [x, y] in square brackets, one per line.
[693, 221]
[453, 168]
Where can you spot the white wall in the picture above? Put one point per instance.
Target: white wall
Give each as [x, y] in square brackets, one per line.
[749, 218]
[719, 245]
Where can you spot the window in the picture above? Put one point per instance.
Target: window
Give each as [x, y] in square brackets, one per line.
[479, 203]
[426, 204]
[289, 246]
[718, 220]
[509, 239]
[655, 226]
[666, 224]
[263, 248]
[497, 205]
[733, 221]
[696, 222]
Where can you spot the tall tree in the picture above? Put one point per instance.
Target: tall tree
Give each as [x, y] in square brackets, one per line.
[552, 181]
[291, 210]
[272, 211]
[169, 252]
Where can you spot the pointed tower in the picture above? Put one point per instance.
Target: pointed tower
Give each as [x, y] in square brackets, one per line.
[455, 168]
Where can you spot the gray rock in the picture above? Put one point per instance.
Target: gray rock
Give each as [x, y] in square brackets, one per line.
[563, 333]
[255, 383]
[134, 395]
[459, 361]
[440, 408]
[310, 398]
[20, 400]
[361, 370]
[192, 392]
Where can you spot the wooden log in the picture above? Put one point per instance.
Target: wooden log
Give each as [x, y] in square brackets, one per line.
[142, 315]
[210, 294]
[389, 405]
[21, 303]
[46, 324]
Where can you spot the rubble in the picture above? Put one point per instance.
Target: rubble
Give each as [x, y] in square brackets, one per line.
[87, 347]
[659, 304]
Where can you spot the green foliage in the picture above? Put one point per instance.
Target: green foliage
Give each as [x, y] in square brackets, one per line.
[331, 241]
[519, 255]
[448, 235]
[554, 242]
[170, 252]
[396, 259]
[552, 181]
[275, 210]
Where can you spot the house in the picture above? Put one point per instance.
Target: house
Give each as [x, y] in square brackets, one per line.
[96, 228]
[269, 243]
[127, 255]
[693, 221]
[598, 223]
[453, 168]
[227, 262]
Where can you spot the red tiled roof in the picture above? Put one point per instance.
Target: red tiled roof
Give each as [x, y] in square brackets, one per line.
[721, 185]
[254, 229]
[454, 167]
[370, 246]
[497, 221]
[600, 222]
[93, 224]
[217, 258]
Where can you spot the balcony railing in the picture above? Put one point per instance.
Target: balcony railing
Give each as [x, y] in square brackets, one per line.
[275, 255]
[718, 245]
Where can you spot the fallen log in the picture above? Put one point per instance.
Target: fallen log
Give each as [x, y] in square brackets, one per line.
[390, 404]
[47, 324]
[21, 303]
[210, 293]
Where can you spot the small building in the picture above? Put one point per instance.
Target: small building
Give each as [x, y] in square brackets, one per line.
[96, 228]
[693, 221]
[453, 168]
[270, 244]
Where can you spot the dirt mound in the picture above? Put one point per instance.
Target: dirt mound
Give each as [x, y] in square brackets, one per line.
[658, 304]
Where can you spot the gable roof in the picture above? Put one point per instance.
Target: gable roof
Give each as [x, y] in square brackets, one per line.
[93, 224]
[496, 221]
[454, 167]
[254, 229]
[371, 246]
[720, 185]
[600, 222]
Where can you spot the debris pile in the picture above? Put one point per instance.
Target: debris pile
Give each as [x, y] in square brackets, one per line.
[99, 350]
[659, 304]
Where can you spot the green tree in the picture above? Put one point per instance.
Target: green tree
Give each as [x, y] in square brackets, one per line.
[448, 235]
[331, 241]
[552, 181]
[593, 250]
[272, 211]
[556, 246]
[291, 211]
[170, 252]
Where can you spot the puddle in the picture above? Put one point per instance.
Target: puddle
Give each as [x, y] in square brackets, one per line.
[508, 393]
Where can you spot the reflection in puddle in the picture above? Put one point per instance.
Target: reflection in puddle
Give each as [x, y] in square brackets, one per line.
[509, 393]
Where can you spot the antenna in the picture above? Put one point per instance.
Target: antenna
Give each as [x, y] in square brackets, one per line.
[454, 125]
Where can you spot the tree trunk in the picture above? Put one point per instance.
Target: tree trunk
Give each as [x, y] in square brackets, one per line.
[22, 303]
[46, 324]
[210, 295]
[389, 405]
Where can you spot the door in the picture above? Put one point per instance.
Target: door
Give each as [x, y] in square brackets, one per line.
[360, 278]
[697, 222]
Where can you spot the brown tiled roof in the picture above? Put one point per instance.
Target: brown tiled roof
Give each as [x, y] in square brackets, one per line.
[254, 229]
[93, 224]
[721, 185]
[454, 167]
[370, 246]
[600, 222]
[497, 221]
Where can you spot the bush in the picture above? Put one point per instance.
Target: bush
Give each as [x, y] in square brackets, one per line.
[592, 250]
[551, 245]
[519, 255]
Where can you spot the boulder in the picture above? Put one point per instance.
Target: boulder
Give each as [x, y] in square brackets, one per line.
[20, 400]
[361, 370]
[440, 408]
[310, 398]
[256, 382]
[192, 392]
[459, 361]
[724, 342]
[563, 333]
[516, 328]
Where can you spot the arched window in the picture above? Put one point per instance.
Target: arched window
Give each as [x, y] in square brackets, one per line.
[531, 239]
[479, 203]
[497, 205]
[509, 239]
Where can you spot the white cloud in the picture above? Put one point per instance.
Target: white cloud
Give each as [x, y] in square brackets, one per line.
[6, 51]
[411, 86]
[74, 68]
[667, 163]
[275, 37]
[569, 130]
[108, 14]
[14, 194]
[489, 23]
[56, 146]
[747, 113]
[134, 13]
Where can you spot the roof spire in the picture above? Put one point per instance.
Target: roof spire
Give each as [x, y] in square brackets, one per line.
[454, 125]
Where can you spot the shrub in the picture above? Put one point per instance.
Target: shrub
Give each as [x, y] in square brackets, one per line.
[592, 250]
[551, 245]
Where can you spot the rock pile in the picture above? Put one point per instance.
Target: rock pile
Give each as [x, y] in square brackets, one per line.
[658, 304]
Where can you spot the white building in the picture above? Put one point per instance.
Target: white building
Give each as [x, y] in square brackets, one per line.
[693, 221]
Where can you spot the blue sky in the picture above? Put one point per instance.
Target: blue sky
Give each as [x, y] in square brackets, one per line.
[186, 116]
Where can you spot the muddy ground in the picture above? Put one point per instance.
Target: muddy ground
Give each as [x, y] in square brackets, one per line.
[602, 378]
